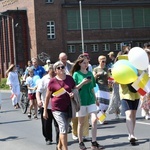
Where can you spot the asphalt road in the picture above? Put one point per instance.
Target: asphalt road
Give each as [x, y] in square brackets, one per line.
[17, 132]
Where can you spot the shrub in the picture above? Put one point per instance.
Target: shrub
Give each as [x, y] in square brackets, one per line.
[3, 84]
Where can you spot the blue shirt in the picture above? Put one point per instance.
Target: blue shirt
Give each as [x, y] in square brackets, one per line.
[40, 71]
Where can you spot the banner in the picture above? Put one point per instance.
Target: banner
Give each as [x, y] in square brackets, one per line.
[142, 84]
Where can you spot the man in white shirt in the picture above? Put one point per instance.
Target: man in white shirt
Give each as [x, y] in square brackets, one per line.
[40, 95]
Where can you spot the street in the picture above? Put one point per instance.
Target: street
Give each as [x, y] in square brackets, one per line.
[17, 132]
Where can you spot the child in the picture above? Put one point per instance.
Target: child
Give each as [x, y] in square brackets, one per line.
[31, 93]
[145, 105]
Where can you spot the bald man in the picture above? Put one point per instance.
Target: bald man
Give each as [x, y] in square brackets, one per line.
[64, 59]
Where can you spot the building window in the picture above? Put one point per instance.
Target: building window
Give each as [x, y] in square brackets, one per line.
[106, 46]
[85, 48]
[141, 17]
[90, 19]
[51, 30]
[125, 18]
[139, 44]
[94, 47]
[71, 49]
[49, 1]
[116, 18]
[117, 46]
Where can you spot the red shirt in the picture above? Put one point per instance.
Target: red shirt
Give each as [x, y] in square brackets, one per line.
[62, 102]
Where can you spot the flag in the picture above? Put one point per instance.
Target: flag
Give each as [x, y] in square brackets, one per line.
[142, 84]
[59, 92]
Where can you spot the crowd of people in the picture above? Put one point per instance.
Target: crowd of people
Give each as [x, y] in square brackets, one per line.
[52, 96]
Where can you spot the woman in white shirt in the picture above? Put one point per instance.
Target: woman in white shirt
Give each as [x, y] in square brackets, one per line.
[13, 82]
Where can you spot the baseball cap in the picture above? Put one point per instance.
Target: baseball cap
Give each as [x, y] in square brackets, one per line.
[48, 61]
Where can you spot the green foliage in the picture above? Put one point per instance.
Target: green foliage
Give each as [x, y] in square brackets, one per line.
[3, 85]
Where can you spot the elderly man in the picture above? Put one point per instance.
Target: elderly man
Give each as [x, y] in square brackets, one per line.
[64, 59]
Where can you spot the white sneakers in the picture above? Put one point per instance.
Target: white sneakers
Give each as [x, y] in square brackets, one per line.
[147, 117]
[129, 138]
[74, 137]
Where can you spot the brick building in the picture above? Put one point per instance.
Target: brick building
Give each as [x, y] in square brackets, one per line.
[44, 28]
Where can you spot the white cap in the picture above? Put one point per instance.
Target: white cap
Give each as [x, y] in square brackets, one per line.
[48, 61]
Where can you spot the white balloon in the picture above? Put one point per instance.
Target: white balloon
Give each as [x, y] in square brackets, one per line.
[139, 58]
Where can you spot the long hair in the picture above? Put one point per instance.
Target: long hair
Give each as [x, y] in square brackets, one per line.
[76, 66]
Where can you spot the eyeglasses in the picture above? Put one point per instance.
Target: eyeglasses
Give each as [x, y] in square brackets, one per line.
[103, 61]
[60, 67]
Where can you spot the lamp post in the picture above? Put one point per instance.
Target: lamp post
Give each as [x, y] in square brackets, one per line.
[81, 24]
[13, 35]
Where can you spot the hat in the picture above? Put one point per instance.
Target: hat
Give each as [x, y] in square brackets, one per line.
[85, 54]
[10, 68]
[57, 64]
[111, 53]
[48, 61]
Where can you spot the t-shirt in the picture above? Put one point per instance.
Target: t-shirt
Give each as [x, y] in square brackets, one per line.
[62, 102]
[125, 93]
[30, 82]
[86, 95]
[40, 71]
[42, 88]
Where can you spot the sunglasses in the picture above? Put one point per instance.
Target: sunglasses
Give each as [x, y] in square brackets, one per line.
[103, 61]
[61, 67]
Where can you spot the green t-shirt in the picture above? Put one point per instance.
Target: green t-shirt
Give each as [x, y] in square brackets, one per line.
[86, 95]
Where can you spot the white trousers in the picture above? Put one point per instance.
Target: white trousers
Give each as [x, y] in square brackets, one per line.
[15, 94]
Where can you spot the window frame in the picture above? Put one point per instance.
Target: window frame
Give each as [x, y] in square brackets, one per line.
[51, 30]
[106, 47]
[71, 48]
[49, 1]
[94, 47]
[80, 48]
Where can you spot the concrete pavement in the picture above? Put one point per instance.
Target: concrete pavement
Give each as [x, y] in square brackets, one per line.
[18, 132]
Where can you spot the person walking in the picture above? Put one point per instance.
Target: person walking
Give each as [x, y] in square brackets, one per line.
[14, 84]
[40, 96]
[101, 77]
[46, 66]
[74, 121]
[64, 59]
[31, 93]
[129, 100]
[60, 91]
[38, 70]
[85, 83]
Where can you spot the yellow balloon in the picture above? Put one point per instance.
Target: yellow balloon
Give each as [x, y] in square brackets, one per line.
[124, 74]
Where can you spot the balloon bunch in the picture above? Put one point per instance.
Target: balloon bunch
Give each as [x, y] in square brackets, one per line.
[126, 71]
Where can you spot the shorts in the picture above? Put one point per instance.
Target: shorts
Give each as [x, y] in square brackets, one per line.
[84, 110]
[62, 120]
[129, 104]
[31, 96]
